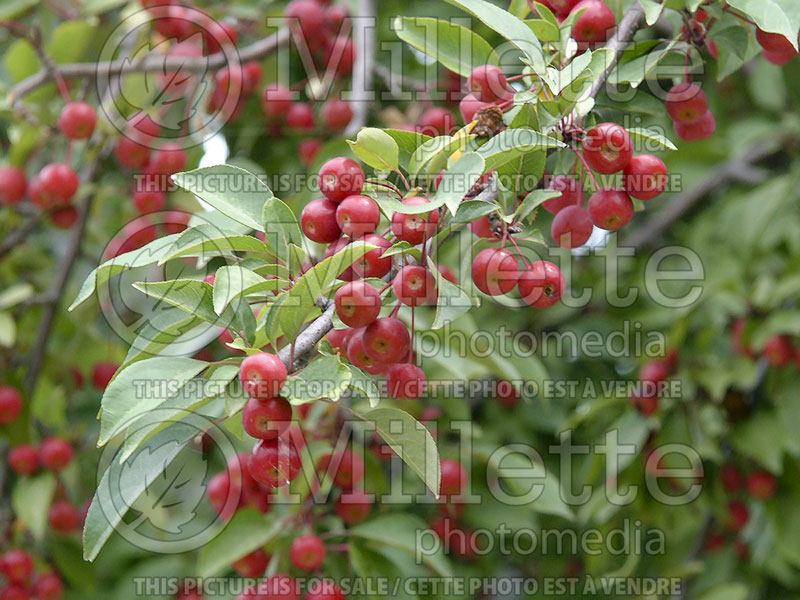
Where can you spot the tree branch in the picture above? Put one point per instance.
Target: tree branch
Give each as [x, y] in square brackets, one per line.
[151, 64]
[628, 27]
[19, 234]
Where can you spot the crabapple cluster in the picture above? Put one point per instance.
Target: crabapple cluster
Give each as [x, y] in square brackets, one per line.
[457, 539]
[687, 105]
[23, 582]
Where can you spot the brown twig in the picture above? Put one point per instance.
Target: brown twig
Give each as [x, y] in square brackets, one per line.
[19, 234]
[628, 27]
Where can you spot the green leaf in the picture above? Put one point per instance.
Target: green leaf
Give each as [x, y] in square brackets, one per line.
[652, 137]
[433, 154]
[544, 29]
[399, 530]
[13, 8]
[143, 386]
[281, 229]
[469, 210]
[15, 294]
[458, 180]
[365, 385]
[451, 302]
[190, 295]
[144, 256]
[8, 330]
[234, 192]
[208, 240]
[509, 27]
[510, 144]
[652, 10]
[235, 281]
[454, 46]
[247, 531]
[31, 499]
[411, 441]
[376, 148]
[727, 591]
[407, 140]
[774, 16]
[160, 333]
[532, 201]
[324, 377]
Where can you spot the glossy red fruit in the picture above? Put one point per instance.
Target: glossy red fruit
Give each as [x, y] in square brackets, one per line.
[357, 354]
[495, 271]
[607, 148]
[541, 284]
[738, 515]
[762, 485]
[357, 303]
[103, 373]
[24, 459]
[778, 351]
[130, 153]
[13, 185]
[262, 375]
[17, 566]
[274, 463]
[48, 586]
[358, 215]
[57, 185]
[353, 507]
[372, 264]
[339, 338]
[341, 177]
[774, 42]
[77, 120]
[487, 83]
[276, 100]
[55, 454]
[10, 404]
[405, 380]
[558, 7]
[300, 117]
[306, 18]
[307, 149]
[387, 340]
[686, 103]
[340, 56]
[701, 129]
[220, 489]
[63, 517]
[572, 227]
[253, 564]
[415, 228]
[454, 477]
[149, 201]
[595, 25]
[732, 478]
[645, 177]
[318, 221]
[470, 105]
[307, 552]
[655, 371]
[414, 285]
[483, 228]
[336, 114]
[266, 419]
[571, 194]
[610, 209]
[436, 121]
[324, 590]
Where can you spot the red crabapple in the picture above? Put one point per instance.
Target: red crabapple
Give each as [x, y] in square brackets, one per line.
[307, 552]
[483, 228]
[357, 354]
[307, 149]
[607, 148]
[57, 184]
[63, 517]
[253, 564]
[318, 221]
[17, 566]
[340, 55]
[336, 114]
[130, 153]
[413, 285]
[762, 485]
[686, 103]
[487, 83]
[415, 228]
[454, 477]
[353, 507]
[357, 303]
[358, 215]
[349, 468]
[778, 351]
[266, 419]
[738, 515]
[103, 373]
[274, 463]
[405, 380]
[645, 177]
[23, 459]
[306, 18]
[571, 227]
[541, 284]
[571, 194]
[13, 185]
[387, 340]
[77, 120]
[558, 7]
[251, 76]
[220, 489]
[372, 264]
[436, 121]
[610, 209]
[10, 404]
[339, 339]
[48, 586]
[594, 25]
[655, 371]
[341, 177]
[732, 478]
[55, 454]
[336, 16]
[646, 404]
[701, 129]
[300, 117]
[506, 394]
[168, 159]
[262, 375]
[779, 58]
[276, 100]
[495, 271]
[149, 201]
[470, 105]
